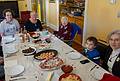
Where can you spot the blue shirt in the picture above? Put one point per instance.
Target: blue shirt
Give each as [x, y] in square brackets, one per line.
[94, 55]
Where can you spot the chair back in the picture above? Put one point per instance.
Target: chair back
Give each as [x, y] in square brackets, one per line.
[75, 30]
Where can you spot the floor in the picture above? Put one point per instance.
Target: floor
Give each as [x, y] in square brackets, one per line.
[75, 45]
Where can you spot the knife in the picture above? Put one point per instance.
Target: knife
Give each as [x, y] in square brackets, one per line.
[93, 67]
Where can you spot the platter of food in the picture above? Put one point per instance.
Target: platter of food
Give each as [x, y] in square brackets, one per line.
[29, 51]
[69, 77]
[45, 54]
[51, 64]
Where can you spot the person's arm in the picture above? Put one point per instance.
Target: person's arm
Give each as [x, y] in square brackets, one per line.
[40, 25]
[1, 29]
[56, 32]
[1, 60]
[69, 29]
[17, 26]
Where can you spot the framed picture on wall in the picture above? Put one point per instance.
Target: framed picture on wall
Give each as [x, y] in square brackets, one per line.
[51, 1]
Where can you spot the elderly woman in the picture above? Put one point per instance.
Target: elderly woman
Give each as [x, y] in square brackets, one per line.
[9, 25]
[65, 28]
[33, 24]
[112, 56]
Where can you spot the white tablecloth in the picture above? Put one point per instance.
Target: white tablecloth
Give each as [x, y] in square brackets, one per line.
[32, 71]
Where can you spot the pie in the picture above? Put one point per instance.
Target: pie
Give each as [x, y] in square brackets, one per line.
[46, 55]
[52, 63]
[69, 77]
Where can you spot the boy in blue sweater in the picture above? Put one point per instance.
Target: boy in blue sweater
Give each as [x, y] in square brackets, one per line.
[90, 50]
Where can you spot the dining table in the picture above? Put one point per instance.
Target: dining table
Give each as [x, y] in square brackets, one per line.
[31, 70]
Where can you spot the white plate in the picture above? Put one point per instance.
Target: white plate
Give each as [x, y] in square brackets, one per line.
[10, 48]
[44, 46]
[15, 70]
[74, 55]
[8, 39]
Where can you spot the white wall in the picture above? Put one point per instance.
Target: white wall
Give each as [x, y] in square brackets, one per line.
[101, 18]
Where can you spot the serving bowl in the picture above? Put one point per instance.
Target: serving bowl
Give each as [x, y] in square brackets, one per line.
[67, 68]
[34, 35]
[69, 77]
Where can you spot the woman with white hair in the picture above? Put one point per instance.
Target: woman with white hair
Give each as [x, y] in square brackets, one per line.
[112, 56]
[65, 28]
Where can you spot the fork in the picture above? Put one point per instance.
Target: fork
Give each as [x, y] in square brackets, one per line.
[18, 78]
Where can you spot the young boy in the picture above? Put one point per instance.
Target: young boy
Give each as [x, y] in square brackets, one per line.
[90, 50]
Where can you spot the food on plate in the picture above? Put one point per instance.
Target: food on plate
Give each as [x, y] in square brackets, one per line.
[28, 50]
[45, 54]
[37, 41]
[34, 35]
[52, 63]
[43, 45]
[48, 40]
[67, 68]
[69, 77]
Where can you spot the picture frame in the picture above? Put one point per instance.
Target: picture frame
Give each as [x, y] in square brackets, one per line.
[52, 1]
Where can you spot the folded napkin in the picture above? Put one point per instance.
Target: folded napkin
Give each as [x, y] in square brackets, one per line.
[98, 73]
[109, 77]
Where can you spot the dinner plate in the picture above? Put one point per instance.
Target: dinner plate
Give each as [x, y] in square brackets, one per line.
[74, 55]
[15, 70]
[8, 39]
[10, 48]
[44, 46]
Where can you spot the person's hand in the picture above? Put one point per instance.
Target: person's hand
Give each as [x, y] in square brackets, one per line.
[101, 62]
[1, 60]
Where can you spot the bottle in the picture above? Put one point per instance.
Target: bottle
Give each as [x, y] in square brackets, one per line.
[24, 32]
[28, 37]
